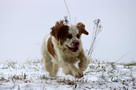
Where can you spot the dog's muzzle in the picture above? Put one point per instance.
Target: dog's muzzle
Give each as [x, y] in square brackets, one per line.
[74, 47]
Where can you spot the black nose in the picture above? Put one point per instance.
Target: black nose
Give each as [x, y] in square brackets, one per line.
[76, 43]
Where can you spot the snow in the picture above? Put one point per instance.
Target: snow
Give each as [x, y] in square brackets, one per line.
[99, 75]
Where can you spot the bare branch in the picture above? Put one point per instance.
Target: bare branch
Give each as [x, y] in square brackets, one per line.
[96, 30]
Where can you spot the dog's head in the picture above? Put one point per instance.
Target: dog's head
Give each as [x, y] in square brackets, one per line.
[68, 36]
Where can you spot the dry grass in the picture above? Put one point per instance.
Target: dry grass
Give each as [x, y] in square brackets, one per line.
[99, 75]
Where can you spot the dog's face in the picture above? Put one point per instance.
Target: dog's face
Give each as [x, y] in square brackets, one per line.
[68, 36]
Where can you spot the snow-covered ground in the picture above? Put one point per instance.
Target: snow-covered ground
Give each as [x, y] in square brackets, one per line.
[98, 76]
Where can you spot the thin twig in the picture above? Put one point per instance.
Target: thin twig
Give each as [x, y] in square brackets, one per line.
[67, 11]
[122, 56]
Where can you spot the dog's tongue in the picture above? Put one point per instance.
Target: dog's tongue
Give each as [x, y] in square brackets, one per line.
[75, 49]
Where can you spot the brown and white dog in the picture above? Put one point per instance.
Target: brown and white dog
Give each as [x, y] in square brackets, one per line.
[63, 48]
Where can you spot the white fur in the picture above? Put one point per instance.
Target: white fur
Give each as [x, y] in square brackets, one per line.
[74, 31]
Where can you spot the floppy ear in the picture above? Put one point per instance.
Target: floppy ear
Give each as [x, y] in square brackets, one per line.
[55, 29]
[81, 27]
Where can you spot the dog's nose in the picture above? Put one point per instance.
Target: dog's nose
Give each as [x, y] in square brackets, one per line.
[75, 43]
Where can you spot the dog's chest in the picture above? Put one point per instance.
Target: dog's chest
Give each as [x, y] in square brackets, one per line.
[70, 57]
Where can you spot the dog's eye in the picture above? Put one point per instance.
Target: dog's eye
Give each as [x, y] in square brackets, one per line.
[69, 36]
[78, 35]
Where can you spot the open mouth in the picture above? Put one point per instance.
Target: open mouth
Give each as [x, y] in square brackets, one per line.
[73, 49]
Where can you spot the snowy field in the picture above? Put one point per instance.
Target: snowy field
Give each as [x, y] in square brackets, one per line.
[98, 76]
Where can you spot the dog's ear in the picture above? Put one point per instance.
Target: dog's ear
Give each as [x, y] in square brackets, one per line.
[81, 27]
[55, 29]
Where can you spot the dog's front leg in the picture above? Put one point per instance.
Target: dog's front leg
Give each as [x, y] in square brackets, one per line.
[84, 61]
[72, 70]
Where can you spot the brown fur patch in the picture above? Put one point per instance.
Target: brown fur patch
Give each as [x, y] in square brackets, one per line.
[63, 34]
[81, 28]
[60, 31]
[55, 29]
[51, 47]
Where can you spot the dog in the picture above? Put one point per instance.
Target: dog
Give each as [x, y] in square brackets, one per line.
[63, 48]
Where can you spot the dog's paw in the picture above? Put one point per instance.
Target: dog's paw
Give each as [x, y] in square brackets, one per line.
[78, 74]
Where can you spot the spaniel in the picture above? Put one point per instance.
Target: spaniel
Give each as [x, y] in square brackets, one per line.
[63, 48]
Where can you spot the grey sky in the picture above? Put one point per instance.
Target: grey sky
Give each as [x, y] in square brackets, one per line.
[23, 24]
